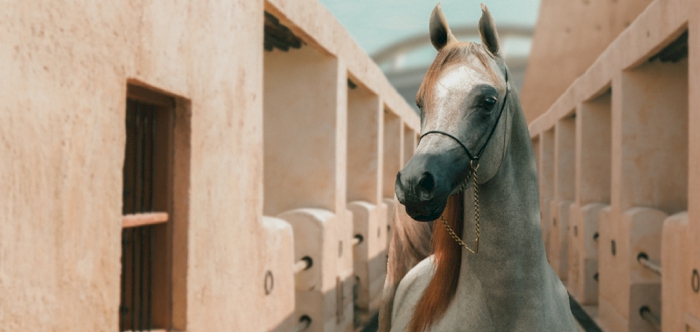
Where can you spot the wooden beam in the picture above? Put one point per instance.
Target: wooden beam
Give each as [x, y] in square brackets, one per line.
[144, 219]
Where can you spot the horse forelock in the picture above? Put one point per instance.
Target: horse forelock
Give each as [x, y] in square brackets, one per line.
[446, 58]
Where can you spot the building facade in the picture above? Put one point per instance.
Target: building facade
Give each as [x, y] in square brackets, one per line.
[618, 155]
[182, 166]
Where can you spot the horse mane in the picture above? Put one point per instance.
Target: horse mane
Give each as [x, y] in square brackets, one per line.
[448, 260]
[448, 56]
[448, 254]
[410, 244]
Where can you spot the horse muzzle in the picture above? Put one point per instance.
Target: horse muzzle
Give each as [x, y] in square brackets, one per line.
[421, 187]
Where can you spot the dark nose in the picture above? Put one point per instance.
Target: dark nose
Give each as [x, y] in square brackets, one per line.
[406, 191]
[427, 183]
[420, 190]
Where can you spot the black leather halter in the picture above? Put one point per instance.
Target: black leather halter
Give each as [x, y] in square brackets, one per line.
[475, 158]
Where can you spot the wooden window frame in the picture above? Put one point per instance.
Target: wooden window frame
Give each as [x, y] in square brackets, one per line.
[168, 217]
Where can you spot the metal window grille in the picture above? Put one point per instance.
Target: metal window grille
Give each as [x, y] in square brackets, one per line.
[145, 278]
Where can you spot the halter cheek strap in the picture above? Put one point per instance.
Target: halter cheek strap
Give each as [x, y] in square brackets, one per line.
[473, 168]
[475, 158]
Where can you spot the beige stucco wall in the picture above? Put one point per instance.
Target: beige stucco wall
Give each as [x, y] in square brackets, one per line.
[302, 135]
[365, 127]
[637, 151]
[568, 38]
[65, 69]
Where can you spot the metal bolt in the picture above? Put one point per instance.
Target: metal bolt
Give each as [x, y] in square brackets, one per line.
[269, 282]
[612, 247]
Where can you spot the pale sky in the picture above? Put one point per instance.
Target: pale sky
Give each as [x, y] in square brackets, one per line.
[375, 24]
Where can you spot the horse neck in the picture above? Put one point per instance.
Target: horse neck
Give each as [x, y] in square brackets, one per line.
[511, 242]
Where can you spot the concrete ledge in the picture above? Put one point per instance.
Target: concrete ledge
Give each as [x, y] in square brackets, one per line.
[315, 237]
[558, 253]
[675, 276]
[370, 254]
[279, 275]
[583, 253]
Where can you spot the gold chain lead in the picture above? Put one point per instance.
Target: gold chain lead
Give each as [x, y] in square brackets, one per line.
[449, 229]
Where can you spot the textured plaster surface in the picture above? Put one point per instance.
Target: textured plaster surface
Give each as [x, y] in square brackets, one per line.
[279, 283]
[569, 36]
[674, 257]
[314, 22]
[653, 149]
[315, 236]
[297, 115]
[65, 72]
[370, 255]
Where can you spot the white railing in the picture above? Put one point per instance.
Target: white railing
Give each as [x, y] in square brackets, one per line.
[643, 259]
[652, 319]
[303, 264]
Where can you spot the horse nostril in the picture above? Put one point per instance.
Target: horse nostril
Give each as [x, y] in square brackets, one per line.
[427, 182]
[398, 188]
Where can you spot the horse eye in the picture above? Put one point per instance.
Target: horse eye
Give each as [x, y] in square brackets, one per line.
[488, 103]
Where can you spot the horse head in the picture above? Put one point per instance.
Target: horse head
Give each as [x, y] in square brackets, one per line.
[462, 99]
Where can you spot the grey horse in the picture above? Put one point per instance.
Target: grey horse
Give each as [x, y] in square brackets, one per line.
[474, 173]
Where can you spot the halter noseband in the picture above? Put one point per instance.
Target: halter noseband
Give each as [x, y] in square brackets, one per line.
[475, 158]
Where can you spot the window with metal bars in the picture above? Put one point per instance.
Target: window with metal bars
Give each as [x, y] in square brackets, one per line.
[147, 210]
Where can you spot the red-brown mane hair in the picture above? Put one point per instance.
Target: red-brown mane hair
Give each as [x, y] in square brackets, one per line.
[448, 254]
[448, 259]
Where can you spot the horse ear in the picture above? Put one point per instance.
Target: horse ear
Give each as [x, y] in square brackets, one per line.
[440, 34]
[487, 30]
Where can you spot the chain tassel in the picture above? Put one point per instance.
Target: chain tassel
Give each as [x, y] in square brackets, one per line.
[449, 229]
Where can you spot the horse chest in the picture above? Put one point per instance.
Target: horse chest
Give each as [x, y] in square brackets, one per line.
[475, 308]
[468, 311]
